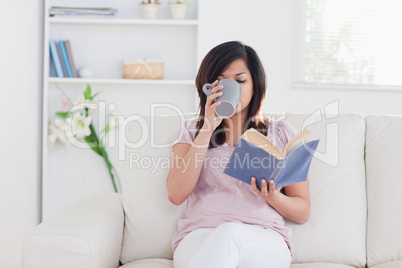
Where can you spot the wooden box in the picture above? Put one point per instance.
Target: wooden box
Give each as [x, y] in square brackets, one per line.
[143, 69]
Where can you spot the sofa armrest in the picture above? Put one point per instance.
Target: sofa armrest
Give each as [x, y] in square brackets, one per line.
[86, 234]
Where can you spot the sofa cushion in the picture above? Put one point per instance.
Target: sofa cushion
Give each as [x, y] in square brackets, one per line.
[86, 234]
[150, 218]
[164, 263]
[392, 264]
[336, 229]
[335, 232]
[384, 184]
[149, 263]
[319, 265]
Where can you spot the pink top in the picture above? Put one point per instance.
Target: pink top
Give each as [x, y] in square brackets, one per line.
[219, 198]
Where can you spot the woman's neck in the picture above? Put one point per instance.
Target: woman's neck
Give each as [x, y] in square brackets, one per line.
[234, 127]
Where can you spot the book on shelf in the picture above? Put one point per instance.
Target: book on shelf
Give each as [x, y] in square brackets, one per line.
[63, 11]
[255, 155]
[55, 57]
[61, 58]
[65, 58]
[52, 68]
[70, 58]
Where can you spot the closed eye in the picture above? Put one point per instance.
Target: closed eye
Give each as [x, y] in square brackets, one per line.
[241, 81]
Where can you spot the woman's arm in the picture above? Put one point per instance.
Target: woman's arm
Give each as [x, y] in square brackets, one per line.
[185, 170]
[187, 160]
[295, 205]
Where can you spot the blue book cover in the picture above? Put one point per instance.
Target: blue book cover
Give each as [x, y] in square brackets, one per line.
[70, 58]
[65, 57]
[55, 58]
[258, 157]
[63, 64]
[52, 68]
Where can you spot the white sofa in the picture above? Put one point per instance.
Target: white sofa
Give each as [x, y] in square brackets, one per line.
[356, 202]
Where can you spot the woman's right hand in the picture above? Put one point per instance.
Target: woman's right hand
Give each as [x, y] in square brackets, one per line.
[211, 119]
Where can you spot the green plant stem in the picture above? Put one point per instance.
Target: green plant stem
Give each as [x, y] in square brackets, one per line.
[109, 167]
[99, 147]
[91, 141]
[104, 155]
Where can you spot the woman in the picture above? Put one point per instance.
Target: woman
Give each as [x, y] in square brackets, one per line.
[224, 222]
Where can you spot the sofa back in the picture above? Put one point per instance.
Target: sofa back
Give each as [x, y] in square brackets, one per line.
[150, 218]
[384, 187]
[336, 230]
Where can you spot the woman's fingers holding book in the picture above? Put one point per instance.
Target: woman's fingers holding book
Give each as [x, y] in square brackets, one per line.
[271, 189]
[254, 186]
[264, 188]
[268, 193]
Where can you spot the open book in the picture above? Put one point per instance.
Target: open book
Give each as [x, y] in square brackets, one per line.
[255, 155]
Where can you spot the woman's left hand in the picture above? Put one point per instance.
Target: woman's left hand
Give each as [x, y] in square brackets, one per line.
[268, 194]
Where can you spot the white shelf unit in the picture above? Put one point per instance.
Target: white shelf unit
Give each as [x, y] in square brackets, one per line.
[56, 80]
[102, 43]
[117, 21]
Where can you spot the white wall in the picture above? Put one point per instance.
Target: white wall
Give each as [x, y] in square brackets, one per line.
[21, 80]
[267, 26]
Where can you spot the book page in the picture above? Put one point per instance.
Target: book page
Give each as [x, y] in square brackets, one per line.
[263, 142]
[295, 142]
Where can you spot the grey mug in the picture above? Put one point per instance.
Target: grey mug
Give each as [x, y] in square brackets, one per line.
[230, 98]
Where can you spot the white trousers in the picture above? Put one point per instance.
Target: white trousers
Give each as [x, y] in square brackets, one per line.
[232, 245]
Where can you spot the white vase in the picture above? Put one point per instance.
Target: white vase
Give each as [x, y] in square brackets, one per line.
[178, 11]
[150, 10]
[86, 72]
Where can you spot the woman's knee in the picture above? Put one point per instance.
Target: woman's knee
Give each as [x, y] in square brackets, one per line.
[189, 245]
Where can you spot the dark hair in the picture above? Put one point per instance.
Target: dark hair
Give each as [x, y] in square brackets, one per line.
[215, 63]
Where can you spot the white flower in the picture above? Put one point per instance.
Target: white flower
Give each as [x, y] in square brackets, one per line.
[92, 106]
[81, 103]
[79, 100]
[57, 132]
[80, 125]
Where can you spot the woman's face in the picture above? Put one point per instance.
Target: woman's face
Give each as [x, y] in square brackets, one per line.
[238, 71]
